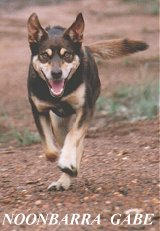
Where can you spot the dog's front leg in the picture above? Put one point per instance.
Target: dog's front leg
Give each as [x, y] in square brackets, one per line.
[69, 161]
[60, 128]
[43, 124]
[71, 154]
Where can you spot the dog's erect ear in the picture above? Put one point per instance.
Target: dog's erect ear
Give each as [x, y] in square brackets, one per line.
[35, 31]
[75, 31]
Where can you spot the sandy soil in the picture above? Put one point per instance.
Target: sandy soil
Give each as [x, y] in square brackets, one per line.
[120, 164]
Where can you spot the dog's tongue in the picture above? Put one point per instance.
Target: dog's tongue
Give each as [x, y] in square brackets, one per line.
[57, 86]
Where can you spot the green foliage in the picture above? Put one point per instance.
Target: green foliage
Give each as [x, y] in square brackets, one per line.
[132, 102]
[101, 103]
[141, 1]
[154, 9]
[148, 6]
[3, 114]
[128, 62]
[25, 137]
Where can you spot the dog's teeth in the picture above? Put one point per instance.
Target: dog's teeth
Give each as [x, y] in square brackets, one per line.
[56, 93]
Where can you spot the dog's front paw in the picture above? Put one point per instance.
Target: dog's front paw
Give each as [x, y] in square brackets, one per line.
[62, 184]
[68, 166]
[56, 186]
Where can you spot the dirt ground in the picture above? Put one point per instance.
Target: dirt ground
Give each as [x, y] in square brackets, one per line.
[119, 169]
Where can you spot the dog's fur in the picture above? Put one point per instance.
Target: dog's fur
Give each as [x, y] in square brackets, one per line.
[63, 81]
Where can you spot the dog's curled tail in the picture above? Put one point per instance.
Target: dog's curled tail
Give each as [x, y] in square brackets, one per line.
[109, 49]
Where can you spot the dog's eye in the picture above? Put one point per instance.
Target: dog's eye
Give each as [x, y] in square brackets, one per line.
[68, 56]
[44, 56]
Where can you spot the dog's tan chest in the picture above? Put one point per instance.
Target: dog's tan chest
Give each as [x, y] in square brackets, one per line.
[76, 99]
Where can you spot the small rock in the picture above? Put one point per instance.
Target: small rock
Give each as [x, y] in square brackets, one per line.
[19, 201]
[103, 113]
[110, 153]
[106, 211]
[134, 181]
[38, 202]
[41, 156]
[125, 158]
[45, 207]
[147, 147]
[59, 204]
[93, 129]
[122, 152]
[107, 202]
[117, 194]
[99, 189]
[94, 197]
[24, 192]
[156, 201]
[133, 211]
[32, 182]
[86, 198]
[28, 196]
[154, 181]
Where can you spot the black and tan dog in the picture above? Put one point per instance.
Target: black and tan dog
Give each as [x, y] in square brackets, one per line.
[63, 81]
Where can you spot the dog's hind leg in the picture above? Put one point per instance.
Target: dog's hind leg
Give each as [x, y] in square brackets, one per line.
[43, 124]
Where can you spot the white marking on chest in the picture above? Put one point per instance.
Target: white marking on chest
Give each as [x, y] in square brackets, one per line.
[76, 98]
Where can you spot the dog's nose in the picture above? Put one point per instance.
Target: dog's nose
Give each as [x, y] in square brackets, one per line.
[56, 74]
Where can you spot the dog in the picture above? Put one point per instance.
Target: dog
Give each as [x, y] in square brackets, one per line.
[63, 85]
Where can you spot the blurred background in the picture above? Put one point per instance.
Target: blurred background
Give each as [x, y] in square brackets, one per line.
[129, 85]
[119, 169]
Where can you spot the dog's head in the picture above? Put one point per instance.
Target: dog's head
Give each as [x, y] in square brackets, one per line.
[55, 51]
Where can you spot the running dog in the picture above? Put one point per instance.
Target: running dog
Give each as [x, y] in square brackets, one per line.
[63, 83]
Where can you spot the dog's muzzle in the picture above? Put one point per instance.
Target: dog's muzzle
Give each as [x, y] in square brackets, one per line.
[56, 86]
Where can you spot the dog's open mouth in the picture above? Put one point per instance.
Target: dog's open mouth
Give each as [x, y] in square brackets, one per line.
[56, 87]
